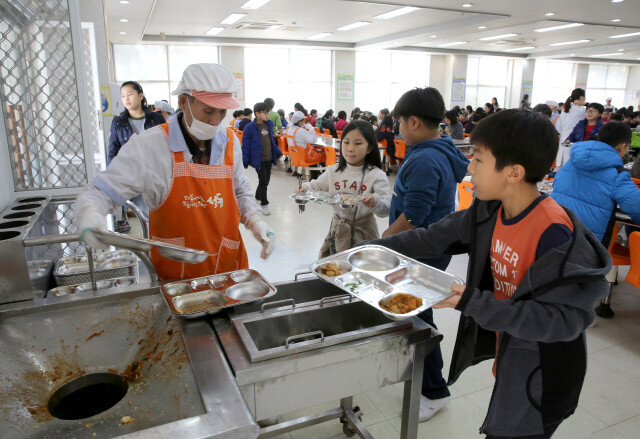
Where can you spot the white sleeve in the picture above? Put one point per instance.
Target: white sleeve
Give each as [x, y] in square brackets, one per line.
[381, 194]
[321, 183]
[249, 209]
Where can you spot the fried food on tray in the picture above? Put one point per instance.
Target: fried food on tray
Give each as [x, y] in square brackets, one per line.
[402, 303]
[331, 270]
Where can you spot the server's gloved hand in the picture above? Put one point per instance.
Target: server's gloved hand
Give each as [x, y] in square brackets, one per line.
[89, 218]
[265, 236]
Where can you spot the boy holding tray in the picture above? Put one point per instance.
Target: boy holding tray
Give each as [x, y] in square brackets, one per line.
[534, 273]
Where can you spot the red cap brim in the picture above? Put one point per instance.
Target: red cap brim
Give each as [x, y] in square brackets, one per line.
[216, 100]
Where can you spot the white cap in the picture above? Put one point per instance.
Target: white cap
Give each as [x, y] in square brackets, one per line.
[164, 106]
[212, 84]
[551, 103]
[297, 117]
[608, 99]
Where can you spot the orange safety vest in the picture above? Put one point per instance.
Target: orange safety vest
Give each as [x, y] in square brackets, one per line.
[313, 154]
[199, 212]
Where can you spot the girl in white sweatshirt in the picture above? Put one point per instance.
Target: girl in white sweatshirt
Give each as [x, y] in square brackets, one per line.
[359, 172]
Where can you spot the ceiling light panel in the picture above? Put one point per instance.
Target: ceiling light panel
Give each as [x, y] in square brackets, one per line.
[517, 49]
[566, 43]
[214, 31]
[563, 26]
[319, 36]
[457, 43]
[354, 25]
[233, 18]
[625, 35]
[497, 37]
[607, 54]
[254, 4]
[396, 13]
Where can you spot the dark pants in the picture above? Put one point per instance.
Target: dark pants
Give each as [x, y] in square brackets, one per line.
[434, 386]
[264, 175]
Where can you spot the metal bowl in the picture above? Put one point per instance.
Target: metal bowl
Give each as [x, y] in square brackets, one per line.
[243, 276]
[301, 197]
[344, 266]
[373, 259]
[248, 291]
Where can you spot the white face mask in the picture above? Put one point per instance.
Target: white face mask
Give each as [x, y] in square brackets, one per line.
[200, 130]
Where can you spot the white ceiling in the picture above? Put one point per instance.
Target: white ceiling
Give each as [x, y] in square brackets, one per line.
[436, 23]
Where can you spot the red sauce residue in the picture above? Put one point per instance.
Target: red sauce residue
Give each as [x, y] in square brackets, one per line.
[95, 334]
[113, 371]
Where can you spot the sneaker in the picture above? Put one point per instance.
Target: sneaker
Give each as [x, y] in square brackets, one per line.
[429, 407]
[265, 210]
[122, 227]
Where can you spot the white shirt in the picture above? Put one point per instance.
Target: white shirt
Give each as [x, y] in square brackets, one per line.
[303, 136]
[375, 182]
[567, 121]
[144, 166]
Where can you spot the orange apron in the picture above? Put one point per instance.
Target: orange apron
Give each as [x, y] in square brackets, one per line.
[313, 154]
[199, 212]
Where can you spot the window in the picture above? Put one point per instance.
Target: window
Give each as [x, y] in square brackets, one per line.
[487, 77]
[158, 69]
[288, 76]
[382, 77]
[553, 81]
[607, 82]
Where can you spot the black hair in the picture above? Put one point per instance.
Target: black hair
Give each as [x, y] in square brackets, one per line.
[372, 159]
[138, 88]
[313, 110]
[270, 103]
[596, 106]
[304, 111]
[476, 117]
[384, 111]
[452, 116]
[355, 111]
[576, 94]
[247, 111]
[396, 128]
[424, 103]
[298, 106]
[630, 109]
[235, 113]
[496, 99]
[463, 113]
[616, 117]
[342, 115]
[327, 115]
[281, 112]
[456, 109]
[356, 116]
[614, 133]
[489, 105]
[260, 106]
[469, 108]
[543, 109]
[519, 137]
[525, 97]
[387, 121]
[291, 113]
[373, 119]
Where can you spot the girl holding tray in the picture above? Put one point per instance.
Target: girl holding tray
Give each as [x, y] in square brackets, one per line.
[358, 174]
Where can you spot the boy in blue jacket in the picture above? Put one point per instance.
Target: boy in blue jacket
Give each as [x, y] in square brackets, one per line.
[260, 151]
[423, 194]
[589, 126]
[534, 273]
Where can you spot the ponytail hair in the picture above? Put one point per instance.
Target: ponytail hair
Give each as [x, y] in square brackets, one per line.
[138, 88]
[576, 94]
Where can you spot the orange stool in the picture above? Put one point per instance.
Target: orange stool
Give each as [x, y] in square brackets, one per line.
[633, 277]
[465, 195]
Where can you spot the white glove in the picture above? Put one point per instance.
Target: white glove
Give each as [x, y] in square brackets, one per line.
[265, 236]
[89, 218]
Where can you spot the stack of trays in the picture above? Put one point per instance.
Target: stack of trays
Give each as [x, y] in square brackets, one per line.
[208, 295]
[83, 288]
[74, 270]
[376, 275]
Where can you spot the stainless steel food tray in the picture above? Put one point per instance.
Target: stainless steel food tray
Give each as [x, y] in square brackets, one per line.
[73, 270]
[84, 287]
[193, 298]
[169, 251]
[374, 273]
[345, 201]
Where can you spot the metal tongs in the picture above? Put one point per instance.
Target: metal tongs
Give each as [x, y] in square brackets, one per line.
[300, 206]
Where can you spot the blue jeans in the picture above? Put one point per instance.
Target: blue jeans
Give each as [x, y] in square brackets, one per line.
[434, 386]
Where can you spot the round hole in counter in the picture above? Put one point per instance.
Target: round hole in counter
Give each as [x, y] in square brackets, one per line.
[31, 200]
[19, 215]
[247, 291]
[8, 235]
[374, 259]
[13, 224]
[87, 396]
[26, 207]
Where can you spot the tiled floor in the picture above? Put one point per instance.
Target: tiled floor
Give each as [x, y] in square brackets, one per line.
[610, 402]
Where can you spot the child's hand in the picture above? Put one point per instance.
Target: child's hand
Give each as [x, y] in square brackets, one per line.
[368, 201]
[300, 189]
[452, 301]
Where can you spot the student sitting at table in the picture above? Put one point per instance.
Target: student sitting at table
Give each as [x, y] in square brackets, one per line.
[475, 120]
[283, 120]
[593, 182]
[341, 123]
[303, 135]
[589, 126]
[327, 124]
[360, 173]
[534, 273]
[454, 127]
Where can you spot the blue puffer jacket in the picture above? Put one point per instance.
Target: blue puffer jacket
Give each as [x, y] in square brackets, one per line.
[425, 188]
[590, 185]
[577, 135]
[121, 130]
[252, 145]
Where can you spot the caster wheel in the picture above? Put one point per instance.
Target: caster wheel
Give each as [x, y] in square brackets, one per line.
[604, 310]
[348, 431]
